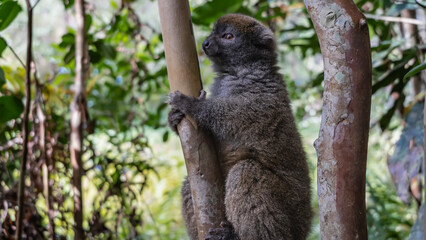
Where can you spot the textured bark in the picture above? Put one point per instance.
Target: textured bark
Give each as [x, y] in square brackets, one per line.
[77, 112]
[25, 132]
[342, 143]
[204, 173]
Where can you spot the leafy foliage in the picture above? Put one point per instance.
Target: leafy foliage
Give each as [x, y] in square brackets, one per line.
[8, 12]
[3, 45]
[2, 78]
[387, 218]
[208, 13]
[12, 108]
[415, 70]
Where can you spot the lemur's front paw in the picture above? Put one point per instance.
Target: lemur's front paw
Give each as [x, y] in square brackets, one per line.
[224, 232]
[175, 116]
[182, 105]
[179, 101]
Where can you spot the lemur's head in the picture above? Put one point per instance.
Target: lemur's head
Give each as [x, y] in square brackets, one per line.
[238, 40]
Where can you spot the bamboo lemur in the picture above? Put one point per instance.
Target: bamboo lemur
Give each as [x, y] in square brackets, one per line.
[267, 193]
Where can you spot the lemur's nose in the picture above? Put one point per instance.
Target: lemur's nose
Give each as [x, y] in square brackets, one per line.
[206, 44]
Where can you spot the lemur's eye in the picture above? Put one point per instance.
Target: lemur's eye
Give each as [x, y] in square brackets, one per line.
[228, 36]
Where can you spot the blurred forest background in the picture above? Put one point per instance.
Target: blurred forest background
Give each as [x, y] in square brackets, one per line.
[133, 163]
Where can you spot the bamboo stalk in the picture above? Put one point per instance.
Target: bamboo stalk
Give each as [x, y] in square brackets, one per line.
[204, 173]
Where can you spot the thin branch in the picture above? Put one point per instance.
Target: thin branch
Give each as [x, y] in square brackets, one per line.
[35, 4]
[11, 143]
[16, 55]
[21, 189]
[395, 19]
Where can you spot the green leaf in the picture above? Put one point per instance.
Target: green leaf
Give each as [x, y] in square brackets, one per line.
[210, 11]
[3, 45]
[387, 117]
[105, 50]
[69, 56]
[8, 12]
[88, 19]
[10, 107]
[166, 136]
[68, 3]
[318, 80]
[94, 57]
[397, 72]
[68, 39]
[2, 77]
[415, 70]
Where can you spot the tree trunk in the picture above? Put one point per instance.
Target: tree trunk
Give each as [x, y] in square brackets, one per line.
[77, 112]
[204, 173]
[343, 139]
[25, 132]
[41, 116]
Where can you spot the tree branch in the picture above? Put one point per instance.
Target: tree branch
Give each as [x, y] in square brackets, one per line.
[16, 55]
[11, 143]
[25, 132]
[395, 19]
[77, 116]
[35, 4]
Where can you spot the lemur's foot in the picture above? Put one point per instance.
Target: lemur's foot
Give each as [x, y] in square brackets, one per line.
[224, 232]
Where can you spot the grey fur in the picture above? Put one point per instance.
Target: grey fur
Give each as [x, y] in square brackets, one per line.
[249, 114]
